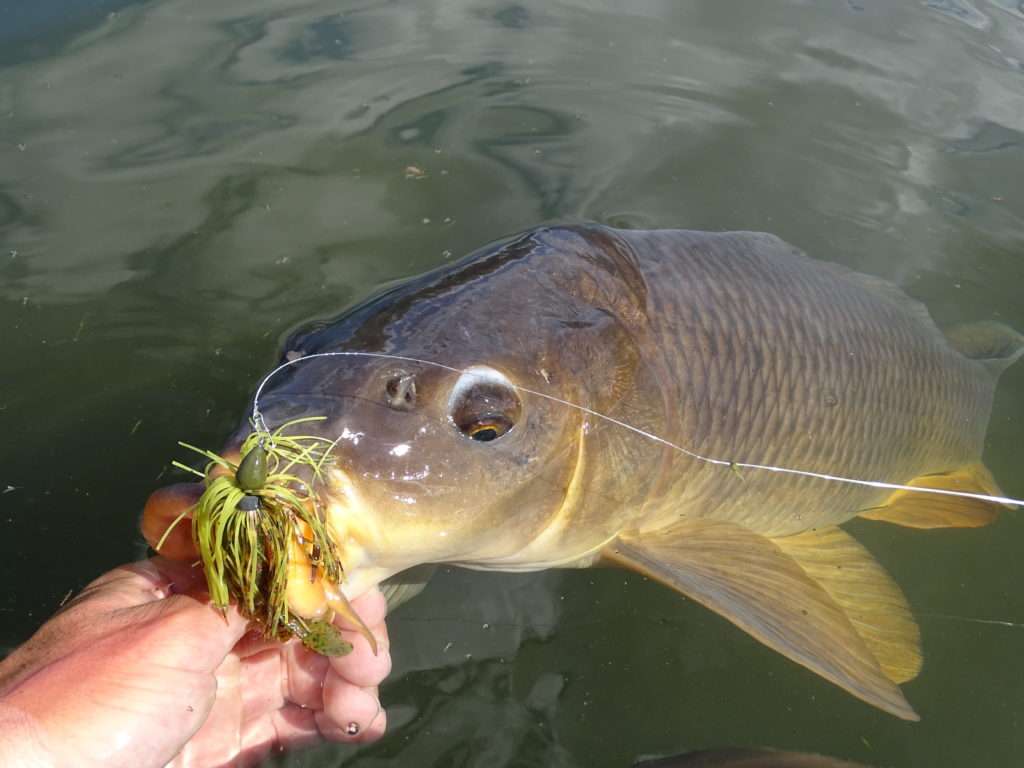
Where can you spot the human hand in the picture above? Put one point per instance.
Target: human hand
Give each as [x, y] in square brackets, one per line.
[140, 670]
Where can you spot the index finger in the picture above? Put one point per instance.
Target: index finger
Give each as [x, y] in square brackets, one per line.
[362, 666]
[142, 582]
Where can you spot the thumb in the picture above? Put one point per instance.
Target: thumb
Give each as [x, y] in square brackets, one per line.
[163, 509]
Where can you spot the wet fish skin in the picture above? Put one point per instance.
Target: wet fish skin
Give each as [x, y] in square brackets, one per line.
[734, 345]
[773, 358]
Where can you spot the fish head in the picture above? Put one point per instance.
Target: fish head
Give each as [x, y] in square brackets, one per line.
[457, 408]
[428, 463]
[460, 412]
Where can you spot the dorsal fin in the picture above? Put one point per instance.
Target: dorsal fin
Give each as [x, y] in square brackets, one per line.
[879, 286]
[871, 599]
[892, 293]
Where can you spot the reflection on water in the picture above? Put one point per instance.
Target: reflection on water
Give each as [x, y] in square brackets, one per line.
[182, 182]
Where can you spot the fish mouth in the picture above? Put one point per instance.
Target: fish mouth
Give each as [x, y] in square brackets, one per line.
[310, 593]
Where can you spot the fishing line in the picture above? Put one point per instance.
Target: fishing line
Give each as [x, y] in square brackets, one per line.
[260, 424]
[973, 620]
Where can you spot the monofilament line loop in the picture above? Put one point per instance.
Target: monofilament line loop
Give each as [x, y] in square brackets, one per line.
[259, 423]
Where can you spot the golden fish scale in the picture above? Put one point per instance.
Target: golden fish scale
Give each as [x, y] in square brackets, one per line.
[784, 361]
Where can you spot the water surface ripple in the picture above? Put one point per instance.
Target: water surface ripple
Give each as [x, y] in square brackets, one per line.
[181, 182]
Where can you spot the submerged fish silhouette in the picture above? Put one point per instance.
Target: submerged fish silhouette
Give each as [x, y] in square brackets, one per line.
[746, 758]
[734, 345]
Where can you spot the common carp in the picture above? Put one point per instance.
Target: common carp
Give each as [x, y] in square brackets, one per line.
[731, 345]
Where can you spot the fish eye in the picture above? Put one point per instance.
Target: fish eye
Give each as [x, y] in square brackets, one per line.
[484, 405]
[490, 427]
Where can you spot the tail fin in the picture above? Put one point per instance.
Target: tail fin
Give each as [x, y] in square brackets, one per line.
[995, 345]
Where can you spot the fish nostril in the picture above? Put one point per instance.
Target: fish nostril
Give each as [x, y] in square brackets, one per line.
[400, 392]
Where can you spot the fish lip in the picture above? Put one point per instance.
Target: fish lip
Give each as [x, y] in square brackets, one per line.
[356, 533]
[335, 506]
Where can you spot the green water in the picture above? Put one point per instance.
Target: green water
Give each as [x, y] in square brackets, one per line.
[181, 183]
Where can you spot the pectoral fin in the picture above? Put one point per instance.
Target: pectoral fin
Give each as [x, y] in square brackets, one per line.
[404, 586]
[749, 580]
[867, 594]
[931, 510]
